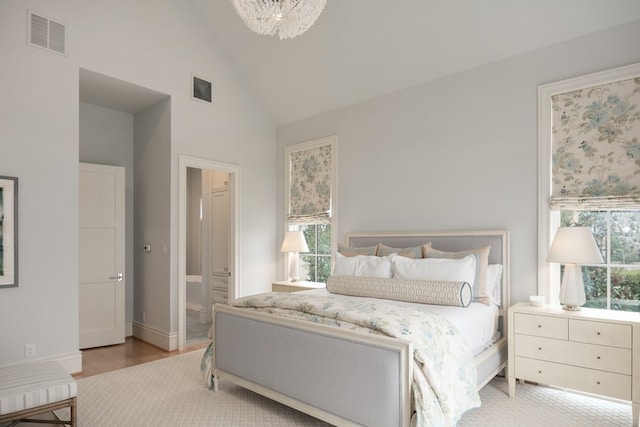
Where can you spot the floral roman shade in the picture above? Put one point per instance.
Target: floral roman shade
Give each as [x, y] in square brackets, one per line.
[310, 185]
[596, 147]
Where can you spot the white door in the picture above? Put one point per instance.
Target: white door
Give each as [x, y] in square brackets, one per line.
[102, 255]
[220, 232]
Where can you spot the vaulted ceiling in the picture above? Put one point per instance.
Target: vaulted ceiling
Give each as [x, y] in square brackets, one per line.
[361, 49]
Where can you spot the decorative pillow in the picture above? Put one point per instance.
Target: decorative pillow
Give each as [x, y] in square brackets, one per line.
[362, 265]
[494, 283]
[420, 291]
[450, 270]
[412, 252]
[348, 251]
[480, 290]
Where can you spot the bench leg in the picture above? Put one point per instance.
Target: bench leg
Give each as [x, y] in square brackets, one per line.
[74, 412]
[22, 416]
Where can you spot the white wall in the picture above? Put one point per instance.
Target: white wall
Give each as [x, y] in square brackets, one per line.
[155, 44]
[456, 153]
[152, 213]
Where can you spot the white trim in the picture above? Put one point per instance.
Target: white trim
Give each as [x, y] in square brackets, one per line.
[71, 362]
[320, 142]
[156, 337]
[234, 223]
[548, 222]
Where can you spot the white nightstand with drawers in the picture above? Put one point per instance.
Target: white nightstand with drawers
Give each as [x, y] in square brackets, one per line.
[594, 351]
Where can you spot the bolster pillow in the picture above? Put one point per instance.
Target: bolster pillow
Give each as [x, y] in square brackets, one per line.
[421, 291]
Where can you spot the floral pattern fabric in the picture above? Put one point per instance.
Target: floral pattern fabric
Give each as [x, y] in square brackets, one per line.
[444, 375]
[310, 187]
[596, 147]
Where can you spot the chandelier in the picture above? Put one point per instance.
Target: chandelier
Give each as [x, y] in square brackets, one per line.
[289, 18]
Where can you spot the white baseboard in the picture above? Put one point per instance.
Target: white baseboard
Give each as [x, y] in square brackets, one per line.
[155, 337]
[71, 362]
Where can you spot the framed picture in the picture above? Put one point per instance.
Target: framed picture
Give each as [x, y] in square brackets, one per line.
[8, 232]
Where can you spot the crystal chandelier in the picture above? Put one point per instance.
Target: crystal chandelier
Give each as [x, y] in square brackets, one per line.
[289, 18]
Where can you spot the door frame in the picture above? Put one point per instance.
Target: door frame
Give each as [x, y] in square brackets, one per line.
[185, 162]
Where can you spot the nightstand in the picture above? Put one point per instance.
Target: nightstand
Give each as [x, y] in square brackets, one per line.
[591, 350]
[287, 286]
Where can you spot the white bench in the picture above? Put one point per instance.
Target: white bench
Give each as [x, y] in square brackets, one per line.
[30, 389]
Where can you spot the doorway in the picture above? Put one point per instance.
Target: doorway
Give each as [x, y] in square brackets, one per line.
[207, 242]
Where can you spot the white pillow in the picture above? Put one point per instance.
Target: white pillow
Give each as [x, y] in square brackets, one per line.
[362, 265]
[494, 283]
[445, 269]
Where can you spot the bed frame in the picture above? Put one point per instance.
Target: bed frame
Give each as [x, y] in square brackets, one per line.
[317, 369]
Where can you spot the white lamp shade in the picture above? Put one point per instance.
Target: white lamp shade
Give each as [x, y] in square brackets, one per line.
[294, 242]
[574, 245]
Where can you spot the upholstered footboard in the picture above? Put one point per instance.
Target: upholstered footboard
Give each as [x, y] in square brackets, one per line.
[342, 377]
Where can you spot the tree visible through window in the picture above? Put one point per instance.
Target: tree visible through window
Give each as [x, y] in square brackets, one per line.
[316, 264]
[614, 285]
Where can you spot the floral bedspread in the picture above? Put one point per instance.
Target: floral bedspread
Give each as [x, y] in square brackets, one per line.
[444, 375]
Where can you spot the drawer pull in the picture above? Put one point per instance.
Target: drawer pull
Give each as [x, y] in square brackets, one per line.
[597, 333]
[539, 348]
[539, 372]
[598, 357]
[539, 326]
[598, 382]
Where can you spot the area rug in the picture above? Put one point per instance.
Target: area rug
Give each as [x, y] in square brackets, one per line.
[171, 392]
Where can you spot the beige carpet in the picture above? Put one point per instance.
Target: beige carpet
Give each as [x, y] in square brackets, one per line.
[171, 392]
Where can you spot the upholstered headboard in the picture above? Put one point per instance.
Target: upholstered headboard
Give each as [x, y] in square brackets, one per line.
[449, 241]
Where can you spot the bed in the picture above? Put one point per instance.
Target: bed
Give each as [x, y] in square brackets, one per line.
[346, 376]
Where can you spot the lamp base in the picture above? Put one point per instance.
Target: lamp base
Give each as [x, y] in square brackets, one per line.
[294, 267]
[572, 294]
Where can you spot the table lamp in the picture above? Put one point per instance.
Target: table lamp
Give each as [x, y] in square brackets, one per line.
[573, 246]
[294, 243]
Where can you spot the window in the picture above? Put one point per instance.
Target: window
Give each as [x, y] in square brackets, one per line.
[310, 203]
[589, 152]
[316, 264]
[614, 285]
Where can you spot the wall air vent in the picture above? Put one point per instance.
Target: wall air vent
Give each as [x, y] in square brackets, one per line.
[45, 33]
[201, 89]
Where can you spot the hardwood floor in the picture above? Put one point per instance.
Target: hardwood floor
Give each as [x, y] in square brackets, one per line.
[133, 352]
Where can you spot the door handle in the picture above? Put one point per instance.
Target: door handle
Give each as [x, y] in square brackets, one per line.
[119, 277]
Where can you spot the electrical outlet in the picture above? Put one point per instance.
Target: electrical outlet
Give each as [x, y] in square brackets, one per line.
[29, 350]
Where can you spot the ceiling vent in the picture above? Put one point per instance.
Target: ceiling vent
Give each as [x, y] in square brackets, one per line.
[47, 34]
[201, 89]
